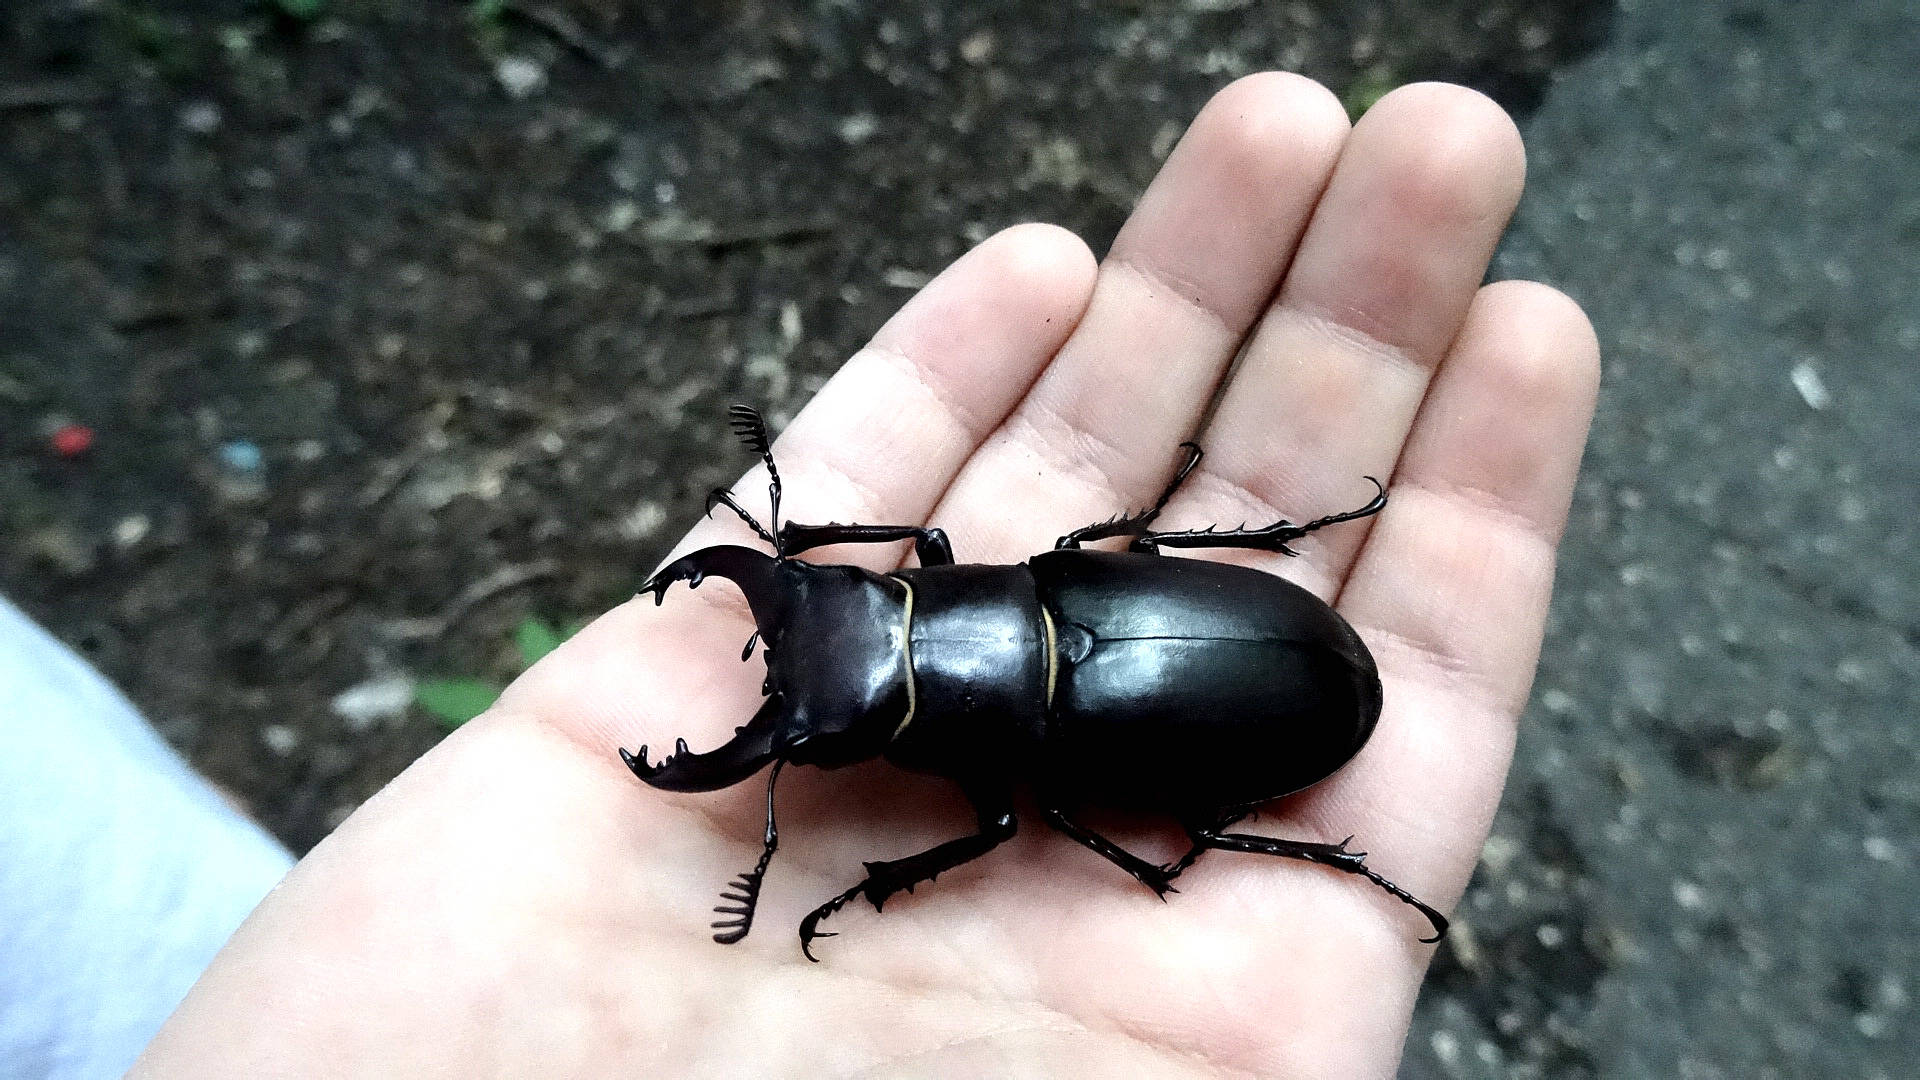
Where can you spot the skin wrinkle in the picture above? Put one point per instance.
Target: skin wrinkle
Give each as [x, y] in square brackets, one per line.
[1478, 500]
[1197, 1054]
[864, 495]
[974, 426]
[1459, 673]
[1085, 469]
[1325, 323]
[1112, 1026]
[1182, 290]
[1049, 1019]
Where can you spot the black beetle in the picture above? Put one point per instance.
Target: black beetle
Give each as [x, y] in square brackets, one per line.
[1123, 679]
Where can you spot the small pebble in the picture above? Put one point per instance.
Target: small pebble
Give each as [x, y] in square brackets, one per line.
[201, 117]
[858, 128]
[381, 697]
[280, 738]
[242, 456]
[520, 77]
[1813, 389]
[132, 529]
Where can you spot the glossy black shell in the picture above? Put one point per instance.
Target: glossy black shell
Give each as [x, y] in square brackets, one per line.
[1186, 684]
[1133, 680]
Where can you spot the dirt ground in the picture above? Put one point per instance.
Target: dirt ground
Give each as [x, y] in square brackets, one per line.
[396, 323]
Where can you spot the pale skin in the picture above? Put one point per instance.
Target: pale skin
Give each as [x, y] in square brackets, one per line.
[518, 904]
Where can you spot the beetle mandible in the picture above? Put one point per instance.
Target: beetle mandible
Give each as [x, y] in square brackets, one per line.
[1124, 679]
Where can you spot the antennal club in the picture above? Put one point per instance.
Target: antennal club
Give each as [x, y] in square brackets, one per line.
[752, 431]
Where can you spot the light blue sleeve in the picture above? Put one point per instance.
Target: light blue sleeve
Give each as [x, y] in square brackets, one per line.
[121, 871]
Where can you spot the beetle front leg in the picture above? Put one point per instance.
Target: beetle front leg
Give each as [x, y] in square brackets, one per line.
[1157, 878]
[1335, 855]
[931, 546]
[993, 810]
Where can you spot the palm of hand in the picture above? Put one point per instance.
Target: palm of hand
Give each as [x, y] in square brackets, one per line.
[517, 903]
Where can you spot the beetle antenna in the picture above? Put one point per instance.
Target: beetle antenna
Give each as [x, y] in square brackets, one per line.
[743, 893]
[752, 431]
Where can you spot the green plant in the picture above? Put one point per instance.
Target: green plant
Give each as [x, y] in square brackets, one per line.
[1367, 88]
[487, 21]
[161, 40]
[455, 701]
[303, 10]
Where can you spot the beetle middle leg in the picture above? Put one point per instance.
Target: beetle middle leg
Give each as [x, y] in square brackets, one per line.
[1140, 521]
[993, 808]
[1209, 836]
[1157, 878]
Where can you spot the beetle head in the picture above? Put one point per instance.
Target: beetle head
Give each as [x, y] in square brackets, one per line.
[837, 680]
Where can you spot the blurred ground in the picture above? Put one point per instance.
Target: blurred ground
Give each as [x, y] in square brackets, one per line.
[401, 323]
[1705, 862]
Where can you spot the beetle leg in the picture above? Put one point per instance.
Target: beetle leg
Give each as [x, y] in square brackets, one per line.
[744, 891]
[723, 497]
[994, 812]
[1153, 877]
[1274, 537]
[1198, 832]
[1139, 521]
[931, 546]
[1334, 855]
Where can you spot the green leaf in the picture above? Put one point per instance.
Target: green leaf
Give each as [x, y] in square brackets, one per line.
[1366, 89]
[304, 10]
[455, 701]
[486, 12]
[536, 639]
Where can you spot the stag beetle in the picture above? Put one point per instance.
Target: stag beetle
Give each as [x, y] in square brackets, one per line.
[1124, 679]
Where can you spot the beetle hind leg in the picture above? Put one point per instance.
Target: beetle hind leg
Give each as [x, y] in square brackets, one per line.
[1336, 856]
[1157, 878]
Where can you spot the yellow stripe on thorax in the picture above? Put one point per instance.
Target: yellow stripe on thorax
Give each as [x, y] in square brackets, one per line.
[906, 646]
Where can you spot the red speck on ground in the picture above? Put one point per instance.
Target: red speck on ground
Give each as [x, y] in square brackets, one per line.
[72, 440]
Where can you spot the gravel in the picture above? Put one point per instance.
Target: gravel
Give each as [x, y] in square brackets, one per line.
[1705, 865]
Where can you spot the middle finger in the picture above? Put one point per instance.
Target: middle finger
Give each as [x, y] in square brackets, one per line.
[1186, 278]
[1338, 368]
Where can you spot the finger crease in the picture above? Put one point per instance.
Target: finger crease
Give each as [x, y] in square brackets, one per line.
[1483, 500]
[1187, 291]
[1325, 323]
[1087, 467]
[975, 425]
[866, 499]
[1446, 668]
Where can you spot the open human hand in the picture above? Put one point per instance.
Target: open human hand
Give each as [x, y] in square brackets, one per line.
[516, 903]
